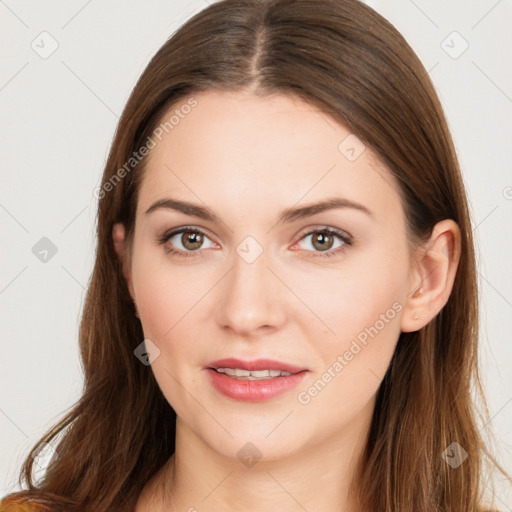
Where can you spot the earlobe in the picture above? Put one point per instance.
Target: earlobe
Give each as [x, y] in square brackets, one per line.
[118, 237]
[433, 276]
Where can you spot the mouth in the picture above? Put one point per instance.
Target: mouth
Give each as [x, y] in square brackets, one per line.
[257, 369]
[256, 380]
[239, 373]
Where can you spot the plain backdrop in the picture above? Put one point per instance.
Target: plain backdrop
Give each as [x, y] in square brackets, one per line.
[66, 71]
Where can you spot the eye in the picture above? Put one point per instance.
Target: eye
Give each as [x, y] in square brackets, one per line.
[191, 240]
[323, 240]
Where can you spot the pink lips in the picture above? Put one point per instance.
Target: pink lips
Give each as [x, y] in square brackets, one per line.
[254, 390]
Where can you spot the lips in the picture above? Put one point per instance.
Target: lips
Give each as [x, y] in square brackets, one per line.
[248, 389]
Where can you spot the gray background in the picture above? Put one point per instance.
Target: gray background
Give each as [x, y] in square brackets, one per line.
[59, 113]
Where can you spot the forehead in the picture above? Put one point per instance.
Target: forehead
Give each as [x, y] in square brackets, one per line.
[242, 151]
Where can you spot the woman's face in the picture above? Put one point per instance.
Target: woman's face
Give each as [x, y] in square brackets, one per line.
[251, 283]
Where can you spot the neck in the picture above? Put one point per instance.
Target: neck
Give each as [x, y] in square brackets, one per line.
[198, 478]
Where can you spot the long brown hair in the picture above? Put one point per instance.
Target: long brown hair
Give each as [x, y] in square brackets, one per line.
[349, 62]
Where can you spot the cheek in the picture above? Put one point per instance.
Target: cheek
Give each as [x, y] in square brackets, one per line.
[168, 295]
[361, 306]
[173, 302]
[350, 366]
[367, 289]
[168, 300]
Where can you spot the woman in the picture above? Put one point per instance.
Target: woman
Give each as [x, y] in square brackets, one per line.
[283, 307]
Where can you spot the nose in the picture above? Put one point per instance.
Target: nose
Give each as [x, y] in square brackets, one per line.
[251, 299]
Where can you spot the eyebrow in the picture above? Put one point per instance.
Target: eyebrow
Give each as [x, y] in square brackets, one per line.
[288, 215]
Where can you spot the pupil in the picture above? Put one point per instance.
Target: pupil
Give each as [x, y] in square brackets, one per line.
[192, 238]
[324, 239]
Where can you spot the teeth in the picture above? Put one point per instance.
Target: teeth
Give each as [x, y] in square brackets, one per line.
[252, 375]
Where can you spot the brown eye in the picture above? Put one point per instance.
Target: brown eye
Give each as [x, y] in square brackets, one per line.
[322, 241]
[192, 240]
[185, 241]
[326, 241]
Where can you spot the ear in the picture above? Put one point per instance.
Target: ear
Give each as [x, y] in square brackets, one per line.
[435, 267]
[118, 236]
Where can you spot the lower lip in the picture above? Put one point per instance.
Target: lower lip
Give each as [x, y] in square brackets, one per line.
[253, 390]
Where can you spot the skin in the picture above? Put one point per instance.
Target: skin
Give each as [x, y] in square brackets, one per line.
[247, 158]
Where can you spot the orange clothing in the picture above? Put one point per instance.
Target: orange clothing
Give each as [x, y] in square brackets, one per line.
[21, 505]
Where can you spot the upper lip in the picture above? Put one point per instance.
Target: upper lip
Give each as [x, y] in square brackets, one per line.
[256, 364]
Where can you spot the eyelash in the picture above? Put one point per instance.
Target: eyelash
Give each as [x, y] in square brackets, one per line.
[342, 235]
